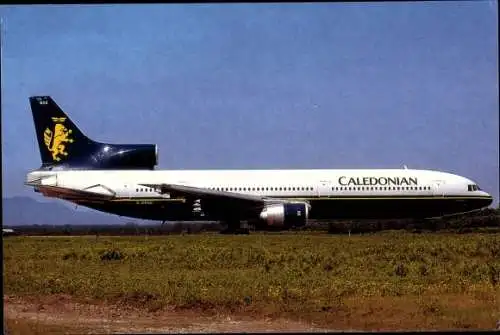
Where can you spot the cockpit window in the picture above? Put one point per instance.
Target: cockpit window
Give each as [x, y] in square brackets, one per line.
[473, 187]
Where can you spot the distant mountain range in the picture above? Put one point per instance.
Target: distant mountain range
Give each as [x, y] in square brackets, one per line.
[18, 211]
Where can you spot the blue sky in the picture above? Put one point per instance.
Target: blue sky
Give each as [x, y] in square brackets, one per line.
[315, 85]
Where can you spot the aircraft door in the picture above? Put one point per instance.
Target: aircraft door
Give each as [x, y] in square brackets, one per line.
[127, 191]
[324, 187]
[437, 188]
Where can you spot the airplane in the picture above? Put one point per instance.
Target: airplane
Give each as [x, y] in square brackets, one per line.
[121, 179]
[7, 231]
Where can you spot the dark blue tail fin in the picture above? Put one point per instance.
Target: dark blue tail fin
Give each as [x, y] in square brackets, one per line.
[59, 139]
[62, 144]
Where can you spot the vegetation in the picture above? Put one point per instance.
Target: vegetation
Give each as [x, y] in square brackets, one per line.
[486, 220]
[387, 280]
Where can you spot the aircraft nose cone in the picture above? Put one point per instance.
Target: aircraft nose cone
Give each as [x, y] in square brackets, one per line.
[488, 200]
[484, 201]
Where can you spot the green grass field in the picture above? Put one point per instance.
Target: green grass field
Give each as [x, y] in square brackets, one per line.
[383, 281]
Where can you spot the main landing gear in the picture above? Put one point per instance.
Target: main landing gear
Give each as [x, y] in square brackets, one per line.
[234, 227]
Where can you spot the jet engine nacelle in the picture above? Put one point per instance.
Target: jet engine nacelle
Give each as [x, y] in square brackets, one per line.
[286, 215]
[111, 156]
[126, 156]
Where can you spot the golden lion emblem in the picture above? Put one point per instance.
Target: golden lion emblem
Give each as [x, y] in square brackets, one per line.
[56, 140]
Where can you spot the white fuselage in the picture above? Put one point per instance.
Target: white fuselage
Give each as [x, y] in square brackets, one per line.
[269, 183]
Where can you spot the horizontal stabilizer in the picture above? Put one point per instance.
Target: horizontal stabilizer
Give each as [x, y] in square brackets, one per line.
[93, 194]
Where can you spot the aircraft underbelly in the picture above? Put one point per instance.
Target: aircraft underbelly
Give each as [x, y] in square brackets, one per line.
[321, 209]
[403, 208]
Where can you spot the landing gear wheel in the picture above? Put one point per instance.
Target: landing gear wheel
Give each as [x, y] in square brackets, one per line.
[234, 227]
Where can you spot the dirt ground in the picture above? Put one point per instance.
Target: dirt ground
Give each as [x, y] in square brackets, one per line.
[61, 315]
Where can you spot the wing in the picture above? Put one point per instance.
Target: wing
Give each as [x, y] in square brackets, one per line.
[220, 204]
